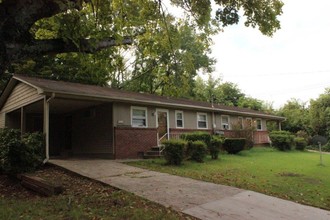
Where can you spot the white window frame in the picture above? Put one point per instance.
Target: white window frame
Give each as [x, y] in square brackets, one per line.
[176, 119]
[146, 116]
[259, 129]
[201, 113]
[240, 123]
[227, 124]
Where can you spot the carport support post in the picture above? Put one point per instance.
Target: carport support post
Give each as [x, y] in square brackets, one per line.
[46, 127]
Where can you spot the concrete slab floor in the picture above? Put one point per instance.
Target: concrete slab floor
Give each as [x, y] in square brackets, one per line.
[200, 199]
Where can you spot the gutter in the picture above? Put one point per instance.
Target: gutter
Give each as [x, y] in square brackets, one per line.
[47, 131]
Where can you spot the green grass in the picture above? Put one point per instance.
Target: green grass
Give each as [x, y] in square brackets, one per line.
[295, 175]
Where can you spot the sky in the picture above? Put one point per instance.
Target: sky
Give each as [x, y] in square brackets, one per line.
[294, 63]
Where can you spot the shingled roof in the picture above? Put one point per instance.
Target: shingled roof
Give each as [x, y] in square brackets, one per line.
[46, 86]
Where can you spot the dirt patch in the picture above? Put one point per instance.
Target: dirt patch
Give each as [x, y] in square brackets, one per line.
[312, 181]
[81, 195]
[289, 174]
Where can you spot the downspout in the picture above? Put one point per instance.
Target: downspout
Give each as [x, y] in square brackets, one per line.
[46, 124]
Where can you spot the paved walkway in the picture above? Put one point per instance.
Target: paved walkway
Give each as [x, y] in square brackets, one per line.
[197, 198]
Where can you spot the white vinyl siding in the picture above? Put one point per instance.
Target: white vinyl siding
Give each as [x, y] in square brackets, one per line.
[21, 95]
[139, 117]
[202, 121]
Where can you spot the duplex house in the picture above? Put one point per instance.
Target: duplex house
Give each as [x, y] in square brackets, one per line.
[80, 119]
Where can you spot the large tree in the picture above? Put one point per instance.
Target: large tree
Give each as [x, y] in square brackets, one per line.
[91, 25]
[319, 114]
[296, 114]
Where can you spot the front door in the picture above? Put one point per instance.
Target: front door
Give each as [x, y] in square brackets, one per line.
[162, 123]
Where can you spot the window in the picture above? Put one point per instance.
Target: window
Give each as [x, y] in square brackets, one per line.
[139, 117]
[259, 124]
[240, 123]
[225, 122]
[201, 120]
[179, 119]
[248, 122]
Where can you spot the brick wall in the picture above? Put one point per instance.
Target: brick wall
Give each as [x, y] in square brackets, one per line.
[259, 137]
[176, 132]
[129, 142]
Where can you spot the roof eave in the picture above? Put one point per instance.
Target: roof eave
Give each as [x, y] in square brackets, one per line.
[159, 103]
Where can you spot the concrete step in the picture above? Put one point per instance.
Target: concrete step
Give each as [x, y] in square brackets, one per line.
[152, 156]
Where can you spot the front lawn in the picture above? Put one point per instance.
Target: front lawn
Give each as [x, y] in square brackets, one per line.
[294, 175]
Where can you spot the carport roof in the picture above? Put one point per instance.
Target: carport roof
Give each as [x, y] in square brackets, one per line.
[83, 91]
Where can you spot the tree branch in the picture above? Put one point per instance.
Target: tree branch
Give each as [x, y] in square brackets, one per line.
[17, 51]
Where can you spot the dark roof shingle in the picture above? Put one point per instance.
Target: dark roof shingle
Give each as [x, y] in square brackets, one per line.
[114, 94]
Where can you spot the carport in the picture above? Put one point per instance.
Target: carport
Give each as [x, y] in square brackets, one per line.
[73, 125]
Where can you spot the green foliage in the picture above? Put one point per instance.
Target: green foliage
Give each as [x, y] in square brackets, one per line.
[234, 145]
[304, 135]
[174, 151]
[197, 136]
[319, 114]
[296, 115]
[300, 143]
[226, 93]
[245, 131]
[215, 146]
[197, 150]
[282, 140]
[20, 154]
[251, 103]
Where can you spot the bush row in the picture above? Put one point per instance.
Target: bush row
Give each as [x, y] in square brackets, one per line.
[284, 140]
[19, 153]
[195, 146]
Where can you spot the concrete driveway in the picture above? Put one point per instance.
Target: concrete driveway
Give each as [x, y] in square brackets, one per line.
[197, 198]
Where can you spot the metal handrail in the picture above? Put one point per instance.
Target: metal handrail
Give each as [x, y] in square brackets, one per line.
[161, 147]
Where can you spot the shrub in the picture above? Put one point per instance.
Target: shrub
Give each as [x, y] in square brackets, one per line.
[300, 143]
[305, 135]
[234, 145]
[174, 151]
[197, 136]
[215, 145]
[20, 154]
[282, 140]
[197, 150]
[246, 132]
[9, 139]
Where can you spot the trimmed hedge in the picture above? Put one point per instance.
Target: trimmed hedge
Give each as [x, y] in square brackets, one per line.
[282, 140]
[234, 145]
[215, 145]
[18, 153]
[197, 151]
[174, 151]
[300, 143]
[197, 136]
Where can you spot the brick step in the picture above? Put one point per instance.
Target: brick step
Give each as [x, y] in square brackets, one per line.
[157, 148]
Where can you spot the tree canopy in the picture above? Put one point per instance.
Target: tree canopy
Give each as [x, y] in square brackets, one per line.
[32, 29]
